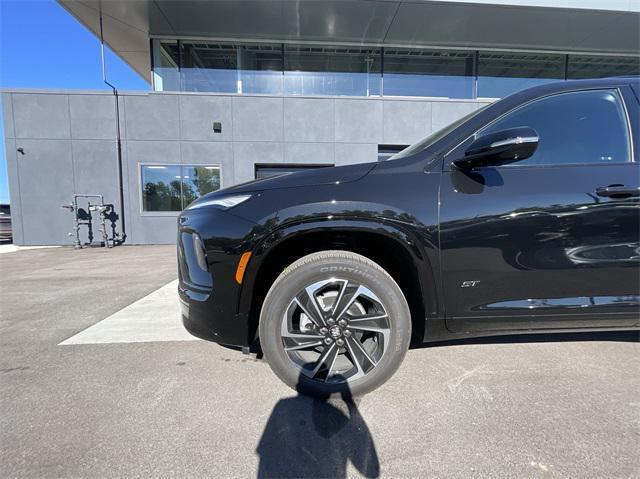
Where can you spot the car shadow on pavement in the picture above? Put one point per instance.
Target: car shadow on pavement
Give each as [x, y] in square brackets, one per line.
[307, 437]
[616, 336]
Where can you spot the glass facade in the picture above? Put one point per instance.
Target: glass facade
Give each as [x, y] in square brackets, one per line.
[209, 67]
[166, 65]
[228, 68]
[587, 66]
[331, 71]
[428, 73]
[334, 70]
[501, 74]
[166, 188]
[261, 69]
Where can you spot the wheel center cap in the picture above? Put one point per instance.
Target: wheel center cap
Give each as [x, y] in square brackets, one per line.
[335, 331]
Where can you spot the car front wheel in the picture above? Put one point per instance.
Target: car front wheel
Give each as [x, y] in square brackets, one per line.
[334, 322]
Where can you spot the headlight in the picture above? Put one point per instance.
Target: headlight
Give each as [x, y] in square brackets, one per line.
[225, 202]
[198, 249]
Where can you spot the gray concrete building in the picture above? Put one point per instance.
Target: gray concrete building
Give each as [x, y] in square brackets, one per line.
[246, 89]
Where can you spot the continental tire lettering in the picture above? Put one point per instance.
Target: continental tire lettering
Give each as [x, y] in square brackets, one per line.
[345, 269]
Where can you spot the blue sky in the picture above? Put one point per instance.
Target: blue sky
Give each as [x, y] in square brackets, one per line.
[43, 46]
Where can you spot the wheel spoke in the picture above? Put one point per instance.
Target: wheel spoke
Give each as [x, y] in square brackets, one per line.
[335, 309]
[374, 322]
[308, 302]
[343, 287]
[293, 345]
[324, 365]
[350, 293]
[359, 356]
[285, 333]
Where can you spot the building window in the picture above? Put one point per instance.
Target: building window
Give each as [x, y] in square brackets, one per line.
[387, 151]
[230, 68]
[172, 187]
[331, 70]
[277, 169]
[209, 67]
[586, 66]
[334, 70]
[261, 69]
[166, 71]
[413, 72]
[501, 74]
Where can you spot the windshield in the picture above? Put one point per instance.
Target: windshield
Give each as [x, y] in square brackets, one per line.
[433, 137]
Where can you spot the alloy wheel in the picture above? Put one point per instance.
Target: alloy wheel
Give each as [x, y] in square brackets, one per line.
[335, 330]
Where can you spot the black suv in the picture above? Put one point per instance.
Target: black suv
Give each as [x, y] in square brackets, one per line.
[523, 216]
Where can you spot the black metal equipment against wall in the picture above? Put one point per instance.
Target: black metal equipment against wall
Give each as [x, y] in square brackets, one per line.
[123, 236]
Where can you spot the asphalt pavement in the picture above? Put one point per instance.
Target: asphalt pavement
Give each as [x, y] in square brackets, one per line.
[136, 398]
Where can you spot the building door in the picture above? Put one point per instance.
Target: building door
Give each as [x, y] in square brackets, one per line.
[550, 241]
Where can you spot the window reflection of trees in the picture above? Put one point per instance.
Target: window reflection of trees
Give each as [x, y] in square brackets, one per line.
[191, 183]
[161, 196]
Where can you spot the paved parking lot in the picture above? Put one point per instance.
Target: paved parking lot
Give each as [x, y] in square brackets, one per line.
[93, 384]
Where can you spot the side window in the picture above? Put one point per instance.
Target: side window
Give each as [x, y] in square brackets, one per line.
[584, 127]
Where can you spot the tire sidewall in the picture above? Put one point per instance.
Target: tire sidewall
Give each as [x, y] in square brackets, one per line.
[319, 267]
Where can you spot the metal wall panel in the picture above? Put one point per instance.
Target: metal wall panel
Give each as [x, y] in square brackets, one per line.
[177, 129]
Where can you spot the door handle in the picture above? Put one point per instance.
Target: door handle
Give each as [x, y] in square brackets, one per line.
[618, 191]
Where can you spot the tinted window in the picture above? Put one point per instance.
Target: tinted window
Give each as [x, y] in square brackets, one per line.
[173, 187]
[431, 139]
[161, 188]
[574, 128]
[586, 66]
[198, 181]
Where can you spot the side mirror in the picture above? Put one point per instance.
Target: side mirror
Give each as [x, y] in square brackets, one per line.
[500, 148]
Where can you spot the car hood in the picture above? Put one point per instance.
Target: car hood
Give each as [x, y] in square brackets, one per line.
[312, 177]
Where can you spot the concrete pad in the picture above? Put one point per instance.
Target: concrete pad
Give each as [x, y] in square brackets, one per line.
[12, 248]
[554, 405]
[156, 317]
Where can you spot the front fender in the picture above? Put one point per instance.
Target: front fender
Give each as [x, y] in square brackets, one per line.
[415, 242]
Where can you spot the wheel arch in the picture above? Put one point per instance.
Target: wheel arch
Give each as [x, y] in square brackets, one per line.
[394, 249]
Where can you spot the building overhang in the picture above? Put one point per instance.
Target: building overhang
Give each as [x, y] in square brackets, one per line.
[600, 26]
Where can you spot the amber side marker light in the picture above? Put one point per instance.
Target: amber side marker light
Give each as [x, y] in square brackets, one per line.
[242, 266]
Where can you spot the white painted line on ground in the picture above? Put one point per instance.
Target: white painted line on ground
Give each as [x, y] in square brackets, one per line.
[155, 317]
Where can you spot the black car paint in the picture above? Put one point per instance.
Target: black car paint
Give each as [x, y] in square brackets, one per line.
[474, 278]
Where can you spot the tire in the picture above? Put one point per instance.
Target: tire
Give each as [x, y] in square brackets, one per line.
[297, 313]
